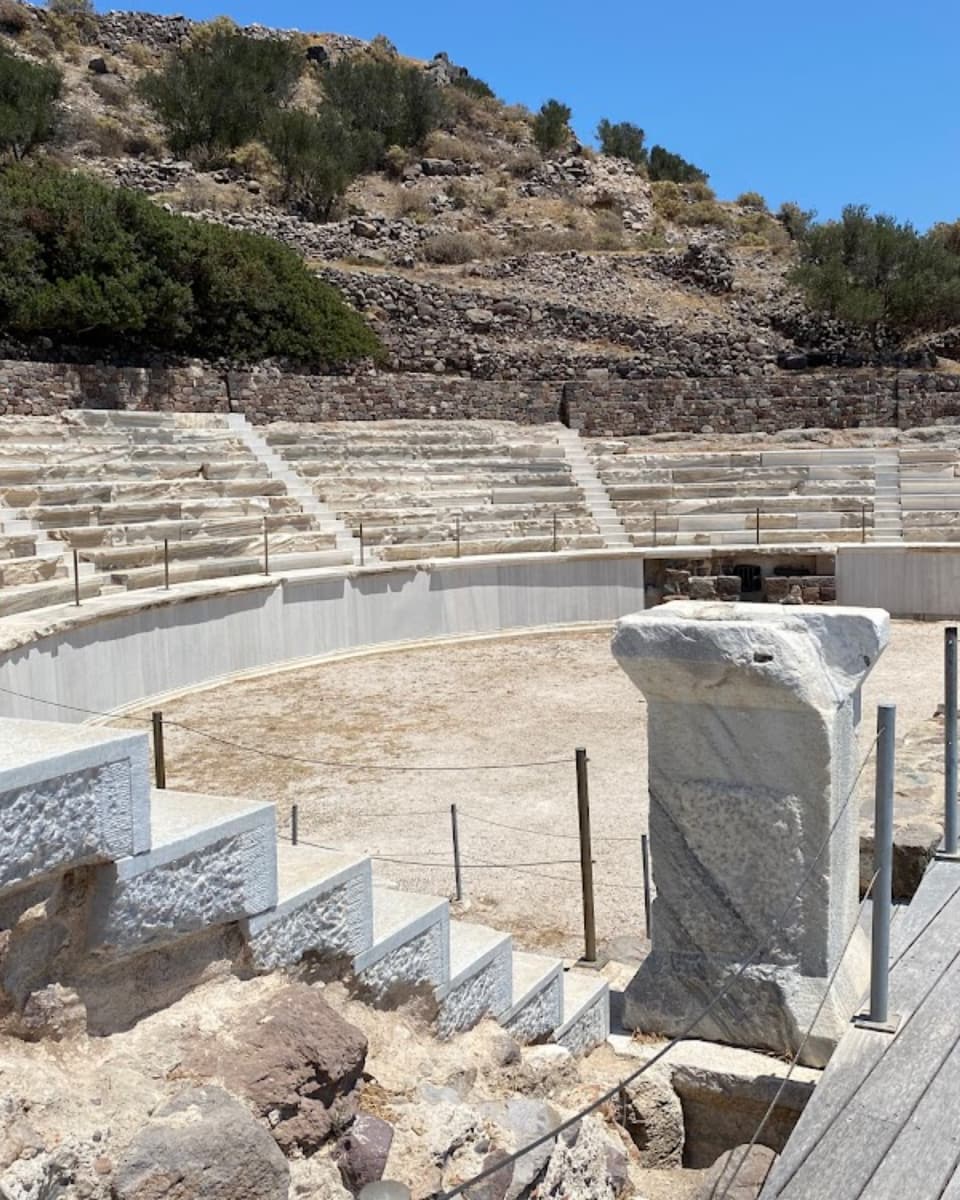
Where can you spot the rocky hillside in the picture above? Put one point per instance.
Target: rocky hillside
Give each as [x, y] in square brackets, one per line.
[477, 255]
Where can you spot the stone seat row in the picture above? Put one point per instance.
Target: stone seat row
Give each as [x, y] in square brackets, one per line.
[148, 882]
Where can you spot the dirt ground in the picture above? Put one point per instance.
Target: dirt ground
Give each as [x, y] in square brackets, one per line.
[396, 717]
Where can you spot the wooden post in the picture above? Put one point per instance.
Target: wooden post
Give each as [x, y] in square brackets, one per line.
[457, 868]
[586, 859]
[159, 759]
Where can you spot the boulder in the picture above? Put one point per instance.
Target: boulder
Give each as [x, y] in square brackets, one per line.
[653, 1117]
[298, 1063]
[580, 1171]
[738, 1175]
[98, 66]
[362, 1151]
[203, 1144]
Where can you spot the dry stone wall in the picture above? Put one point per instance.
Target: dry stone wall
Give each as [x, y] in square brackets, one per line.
[597, 406]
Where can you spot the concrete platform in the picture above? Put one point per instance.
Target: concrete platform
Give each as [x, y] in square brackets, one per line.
[212, 861]
[69, 796]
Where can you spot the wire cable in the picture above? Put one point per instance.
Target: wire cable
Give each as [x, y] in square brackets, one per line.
[276, 754]
[685, 1032]
[573, 837]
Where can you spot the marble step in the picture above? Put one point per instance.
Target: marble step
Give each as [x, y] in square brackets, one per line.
[481, 977]
[410, 946]
[585, 1022]
[212, 860]
[537, 1007]
[48, 594]
[324, 907]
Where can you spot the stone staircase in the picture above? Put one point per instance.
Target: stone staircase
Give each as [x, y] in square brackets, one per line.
[887, 513]
[325, 519]
[596, 495]
[165, 867]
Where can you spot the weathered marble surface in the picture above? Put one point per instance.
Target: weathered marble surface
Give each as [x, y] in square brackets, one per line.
[753, 713]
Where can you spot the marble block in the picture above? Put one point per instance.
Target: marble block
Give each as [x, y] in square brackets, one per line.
[753, 713]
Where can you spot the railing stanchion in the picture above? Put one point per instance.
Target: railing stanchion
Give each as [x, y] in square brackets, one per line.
[883, 866]
[266, 548]
[457, 869]
[166, 564]
[457, 518]
[361, 545]
[76, 578]
[554, 533]
[294, 824]
[159, 758]
[645, 856]
[654, 526]
[758, 526]
[863, 522]
[586, 859]
[950, 741]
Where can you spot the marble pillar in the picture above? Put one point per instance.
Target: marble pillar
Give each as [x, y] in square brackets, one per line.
[753, 713]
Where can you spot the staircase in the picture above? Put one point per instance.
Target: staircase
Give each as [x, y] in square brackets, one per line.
[597, 498]
[887, 514]
[325, 519]
[168, 866]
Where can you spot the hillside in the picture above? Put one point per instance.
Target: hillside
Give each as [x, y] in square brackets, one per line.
[473, 253]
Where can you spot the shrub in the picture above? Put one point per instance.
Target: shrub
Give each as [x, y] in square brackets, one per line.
[111, 90]
[524, 163]
[388, 102]
[413, 202]
[551, 126]
[71, 20]
[663, 165]
[318, 157]
[452, 248]
[879, 275]
[795, 220]
[217, 94]
[96, 266]
[622, 140]
[474, 87]
[28, 104]
[14, 18]
[752, 200]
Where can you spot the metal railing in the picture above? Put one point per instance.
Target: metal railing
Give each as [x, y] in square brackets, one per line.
[758, 513]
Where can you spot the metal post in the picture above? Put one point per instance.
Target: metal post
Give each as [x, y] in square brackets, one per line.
[950, 741]
[758, 526]
[458, 534]
[76, 578]
[361, 544]
[882, 865]
[457, 870]
[166, 564]
[654, 526]
[554, 533]
[586, 859]
[645, 855]
[266, 548]
[863, 522]
[159, 760]
[294, 823]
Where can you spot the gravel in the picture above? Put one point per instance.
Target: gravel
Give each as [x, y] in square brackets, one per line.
[528, 699]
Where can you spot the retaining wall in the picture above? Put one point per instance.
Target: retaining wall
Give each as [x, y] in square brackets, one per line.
[908, 581]
[117, 650]
[730, 404]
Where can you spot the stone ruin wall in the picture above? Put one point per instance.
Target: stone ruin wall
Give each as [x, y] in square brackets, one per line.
[599, 407]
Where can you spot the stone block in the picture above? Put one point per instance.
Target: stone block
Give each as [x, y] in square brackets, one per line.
[70, 795]
[753, 715]
[702, 587]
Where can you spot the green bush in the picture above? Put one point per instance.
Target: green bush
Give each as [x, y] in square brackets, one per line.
[99, 267]
[664, 165]
[28, 104]
[880, 275]
[795, 220]
[217, 94]
[14, 18]
[477, 88]
[752, 200]
[622, 140]
[384, 102]
[318, 156]
[551, 126]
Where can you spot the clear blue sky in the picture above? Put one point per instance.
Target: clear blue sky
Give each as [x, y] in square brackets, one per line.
[824, 102]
